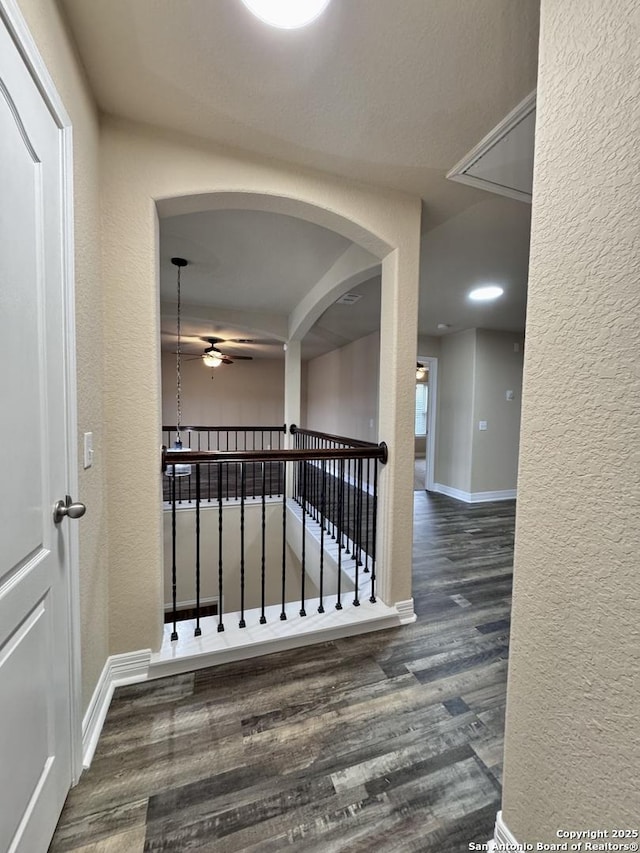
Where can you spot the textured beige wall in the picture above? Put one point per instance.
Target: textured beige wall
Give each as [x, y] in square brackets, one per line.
[572, 749]
[456, 370]
[48, 30]
[142, 165]
[428, 346]
[476, 368]
[342, 390]
[494, 452]
[245, 393]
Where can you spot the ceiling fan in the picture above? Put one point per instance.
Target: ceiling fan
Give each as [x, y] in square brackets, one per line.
[212, 356]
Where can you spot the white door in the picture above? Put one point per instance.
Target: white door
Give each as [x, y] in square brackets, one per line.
[35, 671]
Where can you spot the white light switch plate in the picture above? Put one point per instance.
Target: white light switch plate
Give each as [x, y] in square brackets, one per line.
[482, 425]
[88, 449]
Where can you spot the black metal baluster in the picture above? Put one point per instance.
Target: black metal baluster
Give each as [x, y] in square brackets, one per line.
[355, 549]
[198, 630]
[242, 623]
[366, 530]
[374, 525]
[209, 467]
[316, 487]
[354, 517]
[227, 469]
[254, 478]
[322, 508]
[332, 496]
[312, 485]
[303, 612]
[337, 496]
[263, 618]
[190, 469]
[356, 556]
[340, 497]
[174, 585]
[283, 465]
[299, 441]
[220, 589]
[348, 513]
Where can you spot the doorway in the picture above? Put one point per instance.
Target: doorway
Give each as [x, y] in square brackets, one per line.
[425, 424]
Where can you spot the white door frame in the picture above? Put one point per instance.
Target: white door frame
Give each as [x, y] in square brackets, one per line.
[17, 26]
[432, 401]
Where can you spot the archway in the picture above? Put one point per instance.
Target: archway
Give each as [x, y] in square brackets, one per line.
[181, 176]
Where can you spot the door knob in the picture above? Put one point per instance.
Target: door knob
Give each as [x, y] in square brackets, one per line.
[68, 509]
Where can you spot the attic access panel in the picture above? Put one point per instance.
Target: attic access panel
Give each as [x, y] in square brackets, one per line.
[502, 162]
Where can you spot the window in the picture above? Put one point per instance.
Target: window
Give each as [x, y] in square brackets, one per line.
[422, 397]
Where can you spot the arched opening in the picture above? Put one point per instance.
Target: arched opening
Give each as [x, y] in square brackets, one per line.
[182, 176]
[218, 230]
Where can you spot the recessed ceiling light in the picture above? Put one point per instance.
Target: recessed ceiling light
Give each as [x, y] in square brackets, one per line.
[486, 294]
[287, 14]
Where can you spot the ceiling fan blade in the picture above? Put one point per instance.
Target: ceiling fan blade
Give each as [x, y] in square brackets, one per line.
[226, 360]
[262, 342]
[240, 357]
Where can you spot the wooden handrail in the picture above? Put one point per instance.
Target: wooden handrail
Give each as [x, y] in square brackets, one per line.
[191, 457]
[341, 439]
[183, 428]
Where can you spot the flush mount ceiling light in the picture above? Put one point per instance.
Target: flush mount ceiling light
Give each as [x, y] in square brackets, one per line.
[287, 14]
[486, 294]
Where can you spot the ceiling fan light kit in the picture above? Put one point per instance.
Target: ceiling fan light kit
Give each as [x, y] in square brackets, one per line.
[212, 356]
[212, 359]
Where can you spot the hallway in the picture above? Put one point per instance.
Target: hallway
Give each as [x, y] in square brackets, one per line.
[387, 742]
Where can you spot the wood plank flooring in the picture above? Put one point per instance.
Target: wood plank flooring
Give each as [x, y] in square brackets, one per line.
[389, 742]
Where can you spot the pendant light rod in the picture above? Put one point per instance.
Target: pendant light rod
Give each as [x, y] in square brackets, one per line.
[179, 263]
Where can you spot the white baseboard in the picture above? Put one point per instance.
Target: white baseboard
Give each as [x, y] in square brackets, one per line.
[128, 668]
[475, 497]
[487, 497]
[450, 492]
[503, 838]
[405, 611]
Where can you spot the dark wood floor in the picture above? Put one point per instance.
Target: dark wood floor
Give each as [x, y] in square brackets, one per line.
[385, 742]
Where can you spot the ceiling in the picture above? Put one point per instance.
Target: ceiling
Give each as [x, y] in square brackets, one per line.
[339, 325]
[486, 244]
[245, 259]
[390, 93]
